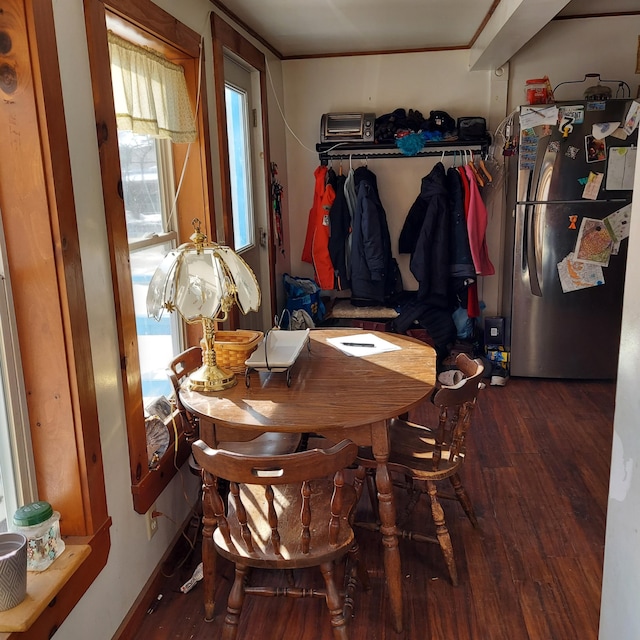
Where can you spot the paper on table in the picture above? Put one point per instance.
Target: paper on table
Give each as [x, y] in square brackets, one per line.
[373, 343]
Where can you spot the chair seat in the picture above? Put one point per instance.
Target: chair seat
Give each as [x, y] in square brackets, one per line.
[412, 450]
[287, 498]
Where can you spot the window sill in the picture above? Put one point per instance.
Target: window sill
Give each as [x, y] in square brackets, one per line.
[42, 588]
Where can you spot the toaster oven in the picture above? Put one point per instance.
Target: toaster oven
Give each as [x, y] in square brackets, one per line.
[347, 127]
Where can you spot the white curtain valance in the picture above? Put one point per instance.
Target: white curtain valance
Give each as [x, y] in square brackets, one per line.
[150, 93]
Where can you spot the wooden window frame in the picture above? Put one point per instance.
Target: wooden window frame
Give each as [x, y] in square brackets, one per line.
[145, 23]
[43, 255]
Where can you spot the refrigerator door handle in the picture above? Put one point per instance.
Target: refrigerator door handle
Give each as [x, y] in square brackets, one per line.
[531, 255]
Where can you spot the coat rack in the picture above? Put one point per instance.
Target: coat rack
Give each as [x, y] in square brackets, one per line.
[366, 151]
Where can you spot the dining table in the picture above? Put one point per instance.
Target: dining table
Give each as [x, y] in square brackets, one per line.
[331, 393]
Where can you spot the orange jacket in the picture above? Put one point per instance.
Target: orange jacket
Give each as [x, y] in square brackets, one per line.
[316, 245]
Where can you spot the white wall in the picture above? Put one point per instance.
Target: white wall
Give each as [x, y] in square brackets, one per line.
[566, 50]
[620, 614]
[378, 84]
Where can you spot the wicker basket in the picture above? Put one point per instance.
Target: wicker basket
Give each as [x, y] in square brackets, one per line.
[234, 347]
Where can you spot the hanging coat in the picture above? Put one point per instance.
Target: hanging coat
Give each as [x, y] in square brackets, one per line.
[477, 219]
[340, 220]
[371, 259]
[316, 246]
[462, 268]
[473, 304]
[425, 235]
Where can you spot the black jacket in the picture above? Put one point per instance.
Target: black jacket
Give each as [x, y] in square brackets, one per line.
[371, 259]
[463, 271]
[340, 220]
[425, 235]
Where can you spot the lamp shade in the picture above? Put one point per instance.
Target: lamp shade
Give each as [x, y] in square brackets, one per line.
[202, 282]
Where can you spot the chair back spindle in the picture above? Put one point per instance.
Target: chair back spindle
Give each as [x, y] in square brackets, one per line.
[273, 519]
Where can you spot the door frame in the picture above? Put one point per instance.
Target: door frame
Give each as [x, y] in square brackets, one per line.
[226, 37]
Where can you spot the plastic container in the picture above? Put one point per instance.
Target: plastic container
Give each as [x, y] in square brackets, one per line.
[537, 91]
[41, 525]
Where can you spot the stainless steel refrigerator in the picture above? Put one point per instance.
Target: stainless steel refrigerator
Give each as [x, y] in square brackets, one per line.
[557, 331]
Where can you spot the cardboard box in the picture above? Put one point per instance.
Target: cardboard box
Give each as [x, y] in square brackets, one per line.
[499, 356]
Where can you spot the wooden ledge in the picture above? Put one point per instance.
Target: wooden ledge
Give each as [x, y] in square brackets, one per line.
[342, 308]
[42, 588]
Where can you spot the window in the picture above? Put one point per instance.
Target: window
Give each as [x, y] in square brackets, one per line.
[239, 160]
[145, 228]
[148, 191]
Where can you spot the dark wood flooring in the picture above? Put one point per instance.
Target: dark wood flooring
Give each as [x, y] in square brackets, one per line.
[537, 471]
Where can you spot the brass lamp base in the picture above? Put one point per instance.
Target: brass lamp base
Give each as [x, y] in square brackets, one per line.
[211, 378]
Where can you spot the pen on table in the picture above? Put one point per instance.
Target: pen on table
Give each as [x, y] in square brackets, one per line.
[357, 344]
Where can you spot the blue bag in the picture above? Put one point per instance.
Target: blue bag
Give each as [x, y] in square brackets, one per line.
[304, 293]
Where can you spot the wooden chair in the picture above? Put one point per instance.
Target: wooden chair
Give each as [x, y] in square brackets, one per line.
[421, 457]
[179, 370]
[282, 512]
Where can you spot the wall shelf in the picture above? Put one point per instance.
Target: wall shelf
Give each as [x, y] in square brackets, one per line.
[367, 150]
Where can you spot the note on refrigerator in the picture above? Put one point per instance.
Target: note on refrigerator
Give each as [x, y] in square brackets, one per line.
[594, 243]
[575, 274]
[631, 121]
[591, 189]
[617, 223]
[621, 166]
[535, 116]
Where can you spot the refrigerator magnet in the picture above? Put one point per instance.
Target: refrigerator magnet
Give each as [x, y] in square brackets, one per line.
[572, 152]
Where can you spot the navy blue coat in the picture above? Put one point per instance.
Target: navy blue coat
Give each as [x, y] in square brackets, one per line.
[371, 259]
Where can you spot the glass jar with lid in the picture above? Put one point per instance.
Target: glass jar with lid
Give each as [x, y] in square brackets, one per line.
[41, 525]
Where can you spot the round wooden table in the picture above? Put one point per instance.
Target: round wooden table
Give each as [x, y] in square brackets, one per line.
[333, 394]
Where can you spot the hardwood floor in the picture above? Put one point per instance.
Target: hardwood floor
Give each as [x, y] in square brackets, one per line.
[537, 471]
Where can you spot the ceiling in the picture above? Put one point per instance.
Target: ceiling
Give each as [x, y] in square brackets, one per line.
[311, 28]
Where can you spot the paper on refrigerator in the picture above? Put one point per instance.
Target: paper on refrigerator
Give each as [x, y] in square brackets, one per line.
[576, 274]
[594, 243]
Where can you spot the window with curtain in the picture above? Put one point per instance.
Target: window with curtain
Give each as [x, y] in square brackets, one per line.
[150, 93]
[153, 110]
